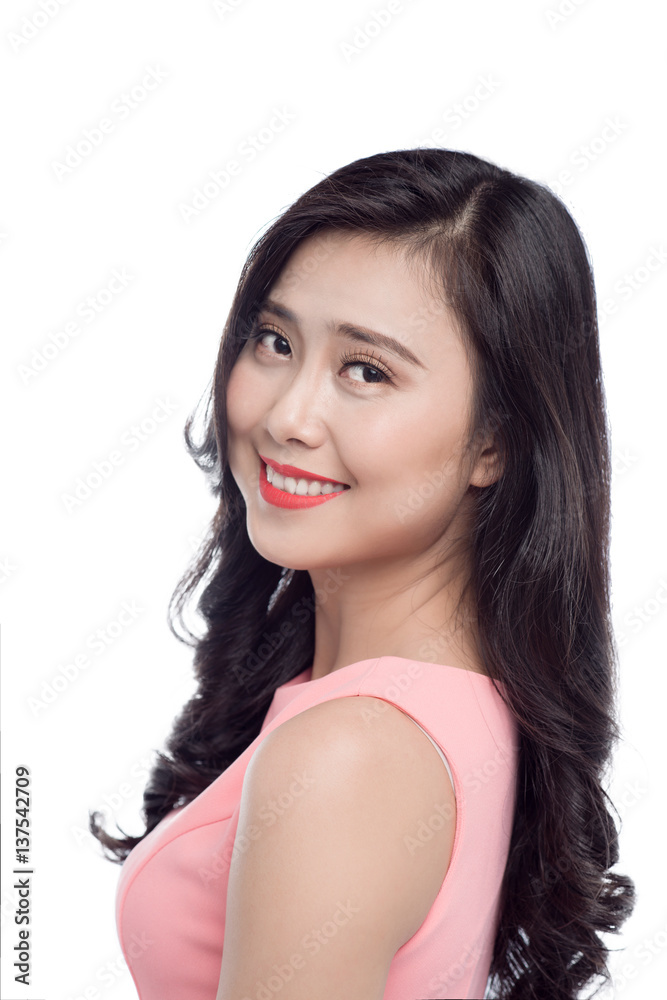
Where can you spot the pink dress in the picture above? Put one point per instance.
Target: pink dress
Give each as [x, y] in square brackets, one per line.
[171, 900]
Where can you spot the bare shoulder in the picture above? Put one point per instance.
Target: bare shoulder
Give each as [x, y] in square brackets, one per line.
[371, 741]
[364, 727]
[336, 870]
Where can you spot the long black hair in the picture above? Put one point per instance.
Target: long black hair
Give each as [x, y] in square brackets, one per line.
[513, 267]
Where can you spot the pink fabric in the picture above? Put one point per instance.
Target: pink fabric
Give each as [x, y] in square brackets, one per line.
[170, 906]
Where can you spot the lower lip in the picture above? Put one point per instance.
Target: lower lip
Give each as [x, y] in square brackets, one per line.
[292, 501]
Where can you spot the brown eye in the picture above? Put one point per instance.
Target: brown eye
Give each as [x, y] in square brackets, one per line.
[355, 361]
[380, 374]
[266, 331]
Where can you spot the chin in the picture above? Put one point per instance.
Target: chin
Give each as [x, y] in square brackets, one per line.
[295, 557]
[277, 551]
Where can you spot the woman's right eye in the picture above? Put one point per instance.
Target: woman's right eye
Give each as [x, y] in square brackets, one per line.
[260, 334]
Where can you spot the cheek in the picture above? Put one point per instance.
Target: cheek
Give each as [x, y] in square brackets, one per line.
[413, 463]
[403, 447]
[241, 401]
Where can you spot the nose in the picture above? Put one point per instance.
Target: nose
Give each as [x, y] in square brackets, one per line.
[298, 411]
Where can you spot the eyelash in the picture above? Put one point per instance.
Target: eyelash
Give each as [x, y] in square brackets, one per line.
[348, 360]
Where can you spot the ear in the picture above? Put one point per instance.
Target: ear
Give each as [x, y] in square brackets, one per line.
[489, 464]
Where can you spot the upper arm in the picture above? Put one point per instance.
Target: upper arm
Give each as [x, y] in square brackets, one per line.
[333, 876]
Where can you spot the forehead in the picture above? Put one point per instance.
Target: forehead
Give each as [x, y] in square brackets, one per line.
[352, 278]
[327, 255]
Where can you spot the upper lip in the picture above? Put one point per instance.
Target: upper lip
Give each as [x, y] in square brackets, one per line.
[291, 470]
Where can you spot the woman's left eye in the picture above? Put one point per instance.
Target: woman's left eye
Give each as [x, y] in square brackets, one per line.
[351, 361]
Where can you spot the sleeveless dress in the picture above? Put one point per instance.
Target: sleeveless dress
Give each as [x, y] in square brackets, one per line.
[171, 898]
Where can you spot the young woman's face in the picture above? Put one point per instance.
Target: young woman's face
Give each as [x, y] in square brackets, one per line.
[387, 420]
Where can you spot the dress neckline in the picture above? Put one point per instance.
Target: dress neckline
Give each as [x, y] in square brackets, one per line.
[295, 682]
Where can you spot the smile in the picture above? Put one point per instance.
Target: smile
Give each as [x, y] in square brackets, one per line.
[293, 493]
[302, 487]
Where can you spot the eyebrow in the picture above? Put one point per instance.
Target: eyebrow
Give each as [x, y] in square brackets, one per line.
[356, 333]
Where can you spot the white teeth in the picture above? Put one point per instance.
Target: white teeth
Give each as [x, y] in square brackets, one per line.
[301, 487]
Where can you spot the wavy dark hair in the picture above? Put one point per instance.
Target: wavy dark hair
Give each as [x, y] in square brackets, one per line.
[512, 265]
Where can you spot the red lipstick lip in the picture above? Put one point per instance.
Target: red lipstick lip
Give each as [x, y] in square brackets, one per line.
[291, 470]
[291, 501]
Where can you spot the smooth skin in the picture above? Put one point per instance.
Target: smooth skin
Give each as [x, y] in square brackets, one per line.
[325, 896]
[392, 427]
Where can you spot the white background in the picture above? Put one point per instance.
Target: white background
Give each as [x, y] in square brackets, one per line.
[536, 90]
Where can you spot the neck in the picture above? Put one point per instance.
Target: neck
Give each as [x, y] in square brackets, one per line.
[362, 612]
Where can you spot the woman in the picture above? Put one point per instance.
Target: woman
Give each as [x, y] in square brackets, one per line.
[388, 784]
